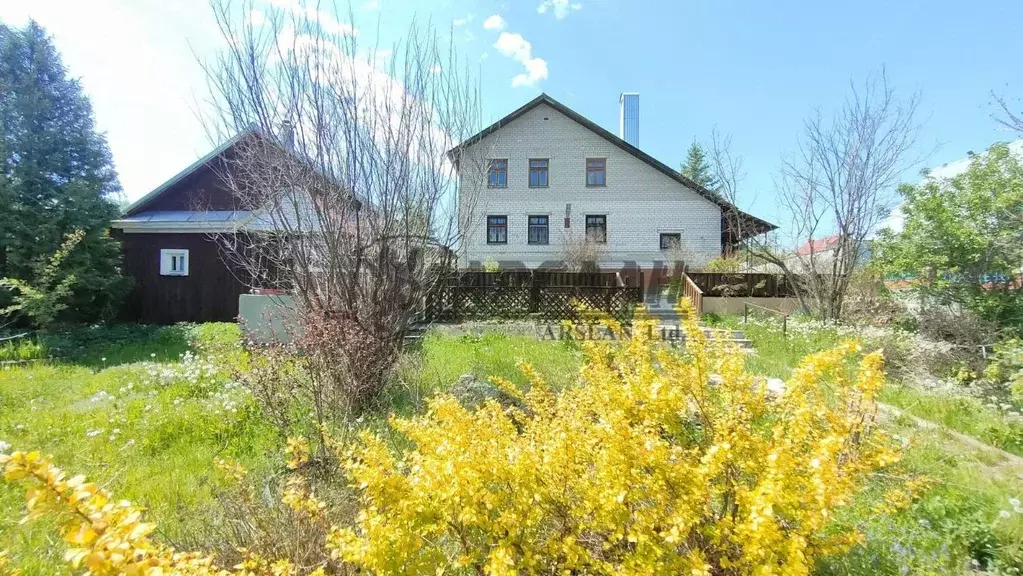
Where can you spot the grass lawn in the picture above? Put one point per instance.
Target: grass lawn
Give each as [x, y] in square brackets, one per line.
[144, 411]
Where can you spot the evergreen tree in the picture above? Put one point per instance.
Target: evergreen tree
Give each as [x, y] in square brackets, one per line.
[56, 177]
[696, 168]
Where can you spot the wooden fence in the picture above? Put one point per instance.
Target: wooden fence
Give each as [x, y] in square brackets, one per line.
[714, 284]
[521, 293]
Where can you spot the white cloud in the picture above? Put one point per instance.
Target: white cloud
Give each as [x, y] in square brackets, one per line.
[459, 22]
[325, 20]
[536, 70]
[514, 46]
[561, 8]
[435, 69]
[494, 22]
[371, 5]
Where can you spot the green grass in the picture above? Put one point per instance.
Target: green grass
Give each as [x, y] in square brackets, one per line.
[136, 417]
[963, 414]
[21, 349]
[173, 415]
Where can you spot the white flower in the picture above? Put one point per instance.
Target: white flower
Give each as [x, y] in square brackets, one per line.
[4, 446]
[93, 433]
[1005, 514]
[1014, 502]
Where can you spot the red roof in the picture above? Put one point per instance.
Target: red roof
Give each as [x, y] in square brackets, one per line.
[817, 246]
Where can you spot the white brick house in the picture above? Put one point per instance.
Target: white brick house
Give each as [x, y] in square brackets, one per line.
[551, 177]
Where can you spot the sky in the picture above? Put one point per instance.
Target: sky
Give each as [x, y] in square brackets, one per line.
[751, 70]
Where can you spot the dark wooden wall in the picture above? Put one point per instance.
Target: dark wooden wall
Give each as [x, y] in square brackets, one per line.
[203, 189]
[208, 294]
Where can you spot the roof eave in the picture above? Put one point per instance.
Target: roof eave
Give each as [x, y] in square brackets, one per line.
[543, 98]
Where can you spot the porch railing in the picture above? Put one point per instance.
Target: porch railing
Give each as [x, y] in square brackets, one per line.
[691, 291]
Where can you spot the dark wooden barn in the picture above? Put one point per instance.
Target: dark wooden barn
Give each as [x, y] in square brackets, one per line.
[170, 243]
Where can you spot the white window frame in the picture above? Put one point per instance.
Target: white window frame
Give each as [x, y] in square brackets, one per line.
[167, 262]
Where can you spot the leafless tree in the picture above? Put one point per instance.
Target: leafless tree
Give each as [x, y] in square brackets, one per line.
[580, 253]
[837, 189]
[354, 204]
[1006, 115]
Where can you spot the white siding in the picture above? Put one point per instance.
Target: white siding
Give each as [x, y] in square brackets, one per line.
[640, 202]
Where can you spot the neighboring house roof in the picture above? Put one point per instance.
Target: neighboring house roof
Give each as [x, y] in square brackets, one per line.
[817, 246]
[758, 224]
[201, 162]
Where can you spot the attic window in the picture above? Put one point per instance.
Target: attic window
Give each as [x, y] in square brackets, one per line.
[173, 262]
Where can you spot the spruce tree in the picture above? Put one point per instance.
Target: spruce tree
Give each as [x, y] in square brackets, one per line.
[696, 168]
[56, 177]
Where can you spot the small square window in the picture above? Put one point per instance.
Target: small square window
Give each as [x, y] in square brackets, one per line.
[497, 229]
[596, 171]
[538, 171]
[539, 230]
[596, 229]
[498, 176]
[671, 240]
[173, 262]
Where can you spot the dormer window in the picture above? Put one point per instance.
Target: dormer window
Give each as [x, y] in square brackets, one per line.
[498, 177]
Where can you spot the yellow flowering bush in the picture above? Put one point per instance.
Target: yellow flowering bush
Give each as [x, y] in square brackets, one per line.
[658, 462]
[661, 460]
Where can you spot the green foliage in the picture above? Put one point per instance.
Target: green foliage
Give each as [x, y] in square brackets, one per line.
[44, 299]
[21, 349]
[1006, 367]
[961, 242]
[724, 265]
[56, 177]
[697, 168]
[144, 410]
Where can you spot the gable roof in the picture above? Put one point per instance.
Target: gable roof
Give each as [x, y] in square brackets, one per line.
[144, 201]
[758, 224]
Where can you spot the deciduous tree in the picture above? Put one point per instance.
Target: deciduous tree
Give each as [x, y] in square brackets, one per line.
[962, 243]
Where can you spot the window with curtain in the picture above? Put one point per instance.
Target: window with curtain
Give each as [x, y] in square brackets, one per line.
[497, 229]
[539, 229]
[596, 229]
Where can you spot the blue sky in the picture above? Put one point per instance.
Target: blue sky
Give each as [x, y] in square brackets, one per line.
[753, 70]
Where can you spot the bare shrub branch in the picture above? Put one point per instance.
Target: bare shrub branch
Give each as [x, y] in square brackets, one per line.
[354, 203]
[838, 188]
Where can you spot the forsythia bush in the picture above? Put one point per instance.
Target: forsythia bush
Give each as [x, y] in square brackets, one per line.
[660, 461]
[657, 463]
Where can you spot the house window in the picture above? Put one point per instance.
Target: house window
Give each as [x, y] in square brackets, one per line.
[497, 229]
[174, 262]
[671, 240]
[538, 172]
[596, 171]
[596, 229]
[538, 230]
[498, 174]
